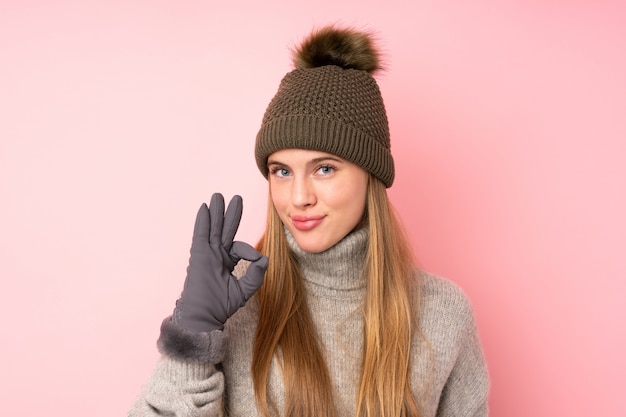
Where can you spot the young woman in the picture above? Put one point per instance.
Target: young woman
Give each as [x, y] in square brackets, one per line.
[328, 316]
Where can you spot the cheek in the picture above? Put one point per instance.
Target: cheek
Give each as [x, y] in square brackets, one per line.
[359, 208]
[280, 199]
[352, 198]
[360, 195]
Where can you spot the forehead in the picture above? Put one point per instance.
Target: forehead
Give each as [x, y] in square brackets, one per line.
[299, 156]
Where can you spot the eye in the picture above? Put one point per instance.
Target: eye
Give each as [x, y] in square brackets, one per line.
[326, 169]
[279, 171]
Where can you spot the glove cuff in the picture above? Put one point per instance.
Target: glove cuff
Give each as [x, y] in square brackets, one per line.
[184, 345]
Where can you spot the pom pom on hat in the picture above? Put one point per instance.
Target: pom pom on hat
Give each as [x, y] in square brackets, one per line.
[331, 103]
[345, 48]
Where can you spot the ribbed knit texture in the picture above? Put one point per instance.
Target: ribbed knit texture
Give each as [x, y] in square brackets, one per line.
[329, 109]
[449, 378]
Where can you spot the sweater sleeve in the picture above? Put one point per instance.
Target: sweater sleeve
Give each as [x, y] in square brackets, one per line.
[186, 381]
[465, 393]
[181, 389]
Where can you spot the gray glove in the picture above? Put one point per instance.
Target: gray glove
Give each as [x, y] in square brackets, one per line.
[211, 293]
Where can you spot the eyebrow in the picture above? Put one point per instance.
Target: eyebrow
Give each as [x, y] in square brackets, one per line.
[312, 161]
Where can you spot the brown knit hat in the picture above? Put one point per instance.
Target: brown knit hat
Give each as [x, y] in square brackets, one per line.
[331, 103]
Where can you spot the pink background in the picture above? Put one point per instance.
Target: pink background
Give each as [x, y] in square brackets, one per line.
[117, 119]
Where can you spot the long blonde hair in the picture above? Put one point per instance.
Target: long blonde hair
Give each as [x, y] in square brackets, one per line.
[390, 320]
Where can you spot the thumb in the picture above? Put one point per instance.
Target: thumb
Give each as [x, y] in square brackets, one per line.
[255, 274]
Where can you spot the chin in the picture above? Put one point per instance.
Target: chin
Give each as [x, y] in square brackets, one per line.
[311, 246]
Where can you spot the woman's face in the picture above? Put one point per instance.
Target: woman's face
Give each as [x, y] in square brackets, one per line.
[319, 197]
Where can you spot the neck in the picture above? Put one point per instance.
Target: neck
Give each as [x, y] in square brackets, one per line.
[339, 267]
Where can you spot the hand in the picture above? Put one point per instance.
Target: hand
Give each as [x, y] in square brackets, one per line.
[211, 293]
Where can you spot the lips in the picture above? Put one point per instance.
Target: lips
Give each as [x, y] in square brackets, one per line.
[304, 223]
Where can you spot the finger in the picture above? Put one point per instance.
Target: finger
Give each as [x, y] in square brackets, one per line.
[201, 227]
[254, 277]
[231, 221]
[242, 250]
[216, 214]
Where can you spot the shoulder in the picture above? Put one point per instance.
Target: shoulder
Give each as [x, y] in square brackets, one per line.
[445, 310]
[442, 294]
[459, 371]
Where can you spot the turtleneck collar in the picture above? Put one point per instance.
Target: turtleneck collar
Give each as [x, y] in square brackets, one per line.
[337, 268]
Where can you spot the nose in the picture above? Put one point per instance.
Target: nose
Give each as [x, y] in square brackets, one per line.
[302, 192]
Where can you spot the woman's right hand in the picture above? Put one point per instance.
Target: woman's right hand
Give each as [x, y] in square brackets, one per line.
[212, 293]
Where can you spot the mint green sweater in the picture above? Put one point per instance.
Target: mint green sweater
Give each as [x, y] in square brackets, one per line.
[209, 374]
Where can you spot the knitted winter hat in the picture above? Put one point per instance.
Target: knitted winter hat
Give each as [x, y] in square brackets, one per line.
[331, 103]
